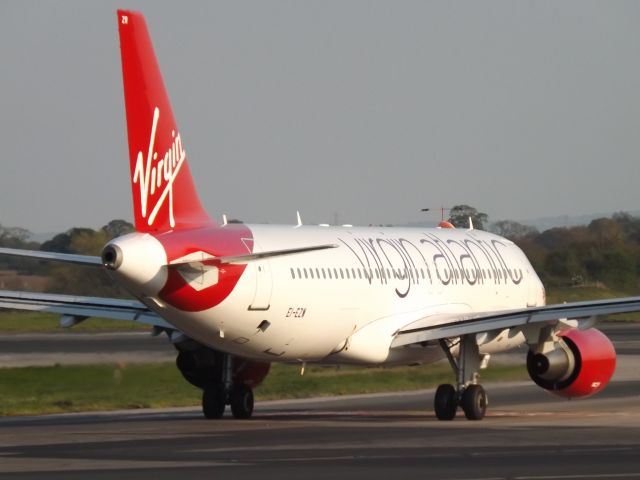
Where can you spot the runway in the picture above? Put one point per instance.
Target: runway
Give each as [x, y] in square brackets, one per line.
[528, 434]
[71, 348]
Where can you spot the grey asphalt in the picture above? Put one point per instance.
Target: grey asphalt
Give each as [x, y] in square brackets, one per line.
[69, 347]
[527, 435]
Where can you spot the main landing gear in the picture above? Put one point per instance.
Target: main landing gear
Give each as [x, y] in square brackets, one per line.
[213, 372]
[469, 394]
[215, 397]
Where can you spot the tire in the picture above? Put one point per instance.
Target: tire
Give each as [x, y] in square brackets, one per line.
[241, 401]
[474, 402]
[213, 402]
[444, 402]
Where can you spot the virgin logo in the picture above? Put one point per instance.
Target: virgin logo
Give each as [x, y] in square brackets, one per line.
[156, 176]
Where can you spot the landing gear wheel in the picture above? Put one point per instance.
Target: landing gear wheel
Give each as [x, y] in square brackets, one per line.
[474, 402]
[445, 402]
[241, 401]
[213, 402]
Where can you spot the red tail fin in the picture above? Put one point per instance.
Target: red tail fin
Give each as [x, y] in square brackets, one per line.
[164, 197]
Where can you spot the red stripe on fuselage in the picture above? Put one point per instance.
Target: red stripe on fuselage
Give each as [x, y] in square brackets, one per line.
[232, 239]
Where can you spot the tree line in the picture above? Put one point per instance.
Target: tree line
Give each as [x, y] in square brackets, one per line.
[605, 252]
[61, 277]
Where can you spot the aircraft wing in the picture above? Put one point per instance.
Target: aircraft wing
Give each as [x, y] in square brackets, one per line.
[74, 308]
[449, 325]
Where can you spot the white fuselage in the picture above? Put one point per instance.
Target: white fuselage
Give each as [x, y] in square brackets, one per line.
[343, 305]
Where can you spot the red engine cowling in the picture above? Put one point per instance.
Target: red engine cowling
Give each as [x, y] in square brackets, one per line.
[251, 374]
[582, 364]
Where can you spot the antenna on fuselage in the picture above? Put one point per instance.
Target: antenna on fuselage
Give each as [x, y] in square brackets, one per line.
[299, 219]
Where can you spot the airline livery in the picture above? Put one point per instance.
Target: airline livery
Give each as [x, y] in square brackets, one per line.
[234, 298]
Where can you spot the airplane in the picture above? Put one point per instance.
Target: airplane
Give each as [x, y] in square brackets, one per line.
[234, 298]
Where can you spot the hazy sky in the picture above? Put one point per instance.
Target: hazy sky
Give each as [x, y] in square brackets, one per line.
[370, 109]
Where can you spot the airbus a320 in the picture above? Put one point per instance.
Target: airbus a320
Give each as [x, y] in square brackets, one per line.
[233, 298]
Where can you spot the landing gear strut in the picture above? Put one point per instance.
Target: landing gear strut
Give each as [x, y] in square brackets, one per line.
[217, 396]
[213, 372]
[469, 394]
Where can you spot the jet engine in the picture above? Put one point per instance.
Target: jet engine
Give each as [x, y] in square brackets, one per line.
[252, 373]
[581, 365]
[203, 367]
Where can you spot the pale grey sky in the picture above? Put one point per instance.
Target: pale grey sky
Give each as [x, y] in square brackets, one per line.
[367, 108]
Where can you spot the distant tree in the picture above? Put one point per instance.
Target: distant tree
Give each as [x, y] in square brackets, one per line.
[117, 228]
[88, 242]
[74, 279]
[630, 225]
[59, 243]
[459, 216]
[606, 231]
[15, 237]
[559, 238]
[566, 266]
[512, 230]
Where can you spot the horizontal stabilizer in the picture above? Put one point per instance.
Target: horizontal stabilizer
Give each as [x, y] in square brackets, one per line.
[249, 257]
[58, 257]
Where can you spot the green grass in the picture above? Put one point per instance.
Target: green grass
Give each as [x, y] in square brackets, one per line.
[33, 322]
[591, 292]
[37, 390]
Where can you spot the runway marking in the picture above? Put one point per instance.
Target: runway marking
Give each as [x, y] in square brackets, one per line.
[561, 477]
[553, 451]
[568, 477]
[46, 464]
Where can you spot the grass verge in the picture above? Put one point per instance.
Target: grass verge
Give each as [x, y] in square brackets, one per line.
[585, 293]
[57, 389]
[36, 322]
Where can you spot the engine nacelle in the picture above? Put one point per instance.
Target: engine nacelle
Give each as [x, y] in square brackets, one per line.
[251, 373]
[202, 366]
[581, 366]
